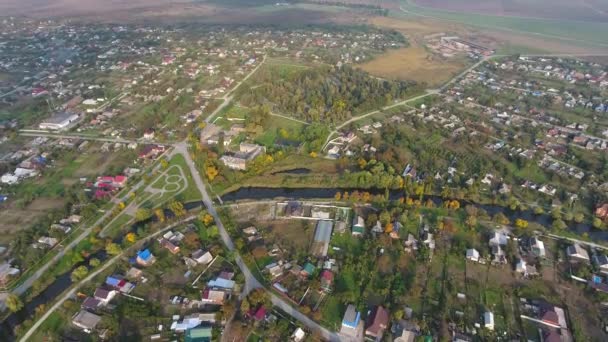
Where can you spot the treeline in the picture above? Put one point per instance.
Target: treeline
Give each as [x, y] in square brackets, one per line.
[329, 95]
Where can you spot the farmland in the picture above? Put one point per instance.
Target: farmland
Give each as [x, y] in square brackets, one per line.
[583, 33]
[413, 63]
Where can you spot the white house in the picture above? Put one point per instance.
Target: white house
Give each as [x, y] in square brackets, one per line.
[202, 257]
[473, 254]
[577, 253]
[537, 247]
[488, 320]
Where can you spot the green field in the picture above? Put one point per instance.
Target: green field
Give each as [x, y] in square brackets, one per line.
[578, 32]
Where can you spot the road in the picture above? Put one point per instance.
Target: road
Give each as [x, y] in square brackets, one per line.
[250, 281]
[25, 285]
[105, 266]
[36, 133]
[229, 95]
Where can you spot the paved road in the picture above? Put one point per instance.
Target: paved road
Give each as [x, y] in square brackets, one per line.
[36, 133]
[105, 266]
[250, 281]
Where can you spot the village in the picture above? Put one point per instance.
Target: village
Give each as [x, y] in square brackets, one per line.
[470, 212]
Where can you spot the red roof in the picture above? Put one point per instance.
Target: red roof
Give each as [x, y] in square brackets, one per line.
[327, 275]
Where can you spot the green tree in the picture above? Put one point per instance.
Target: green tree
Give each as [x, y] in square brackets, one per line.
[597, 223]
[579, 217]
[13, 303]
[142, 214]
[94, 262]
[113, 248]
[79, 273]
[559, 224]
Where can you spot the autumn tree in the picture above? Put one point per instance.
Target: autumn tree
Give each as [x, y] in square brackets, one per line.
[521, 223]
[177, 208]
[160, 215]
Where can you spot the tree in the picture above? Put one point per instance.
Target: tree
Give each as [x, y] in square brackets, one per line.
[538, 210]
[521, 223]
[579, 217]
[211, 172]
[164, 164]
[160, 215]
[177, 208]
[206, 218]
[471, 221]
[245, 306]
[79, 273]
[559, 224]
[131, 237]
[142, 214]
[597, 223]
[13, 303]
[338, 196]
[94, 262]
[113, 248]
[501, 218]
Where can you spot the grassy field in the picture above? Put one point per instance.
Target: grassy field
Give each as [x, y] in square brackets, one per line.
[414, 63]
[586, 33]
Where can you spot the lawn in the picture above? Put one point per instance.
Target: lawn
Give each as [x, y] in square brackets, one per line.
[119, 222]
[332, 311]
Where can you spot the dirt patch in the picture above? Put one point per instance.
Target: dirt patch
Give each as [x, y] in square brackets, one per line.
[414, 63]
[13, 219]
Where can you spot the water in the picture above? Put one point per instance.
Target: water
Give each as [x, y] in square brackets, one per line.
[262, 193]
[61, 283]
[298, 171]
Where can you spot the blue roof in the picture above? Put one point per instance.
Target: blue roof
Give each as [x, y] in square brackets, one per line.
[222, 283]
[354, 323]
[144, 255]
[112, 281]
[3, 198]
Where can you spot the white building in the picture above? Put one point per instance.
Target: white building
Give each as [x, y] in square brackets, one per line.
[488, 320]
[59, 121]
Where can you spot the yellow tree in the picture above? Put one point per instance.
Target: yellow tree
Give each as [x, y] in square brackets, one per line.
[211, 171]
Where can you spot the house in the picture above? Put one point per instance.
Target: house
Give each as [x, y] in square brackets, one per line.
[198, 334]
[307, 270]
[91, 303]
[274, 269]
[358, 226]
[488, 320]
[149, 134]
[213, 296]
[601, 261]
[473, 254]
[104, 296]
[7, 272]
[577, 253]
[602, 211]
[145, 258]
[48, 241]
[537, 247]
[119, 283]
[376, 323]
[498, 239]
[134, 273]
[202, 257]
[298, 335]
[352, 326]
[320, 244]
[525, 269]
[221, 283]
[257, 314]
[169, 246]
[85, 320]
[327, 280]
[151, 151]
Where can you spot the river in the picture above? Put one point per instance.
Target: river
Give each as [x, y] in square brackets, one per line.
[63, 281]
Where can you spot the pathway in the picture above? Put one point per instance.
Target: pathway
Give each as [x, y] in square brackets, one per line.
[71, 293]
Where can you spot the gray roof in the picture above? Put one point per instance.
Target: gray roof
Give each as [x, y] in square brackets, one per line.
[86, 319]
[323, 232]
[59, 118]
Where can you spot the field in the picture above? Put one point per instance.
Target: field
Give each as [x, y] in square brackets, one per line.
[414, 63]
[591, 34]
[551, 9]
[13, 218]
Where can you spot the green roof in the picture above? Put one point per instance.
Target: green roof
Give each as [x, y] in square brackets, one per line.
[358, 229]
[309, 268]
[201, 334]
